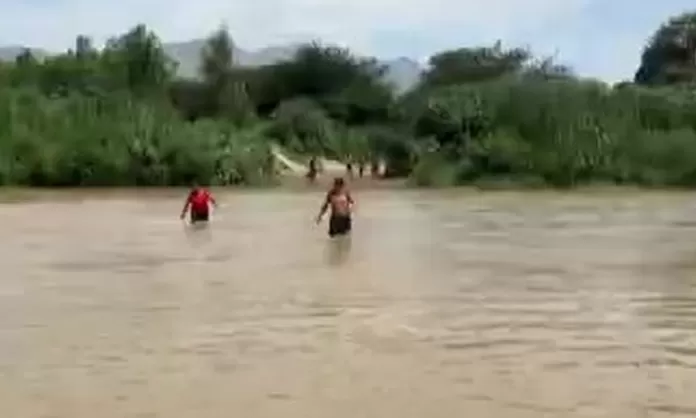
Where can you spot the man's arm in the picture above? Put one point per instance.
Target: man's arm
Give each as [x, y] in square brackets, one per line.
[186, 206]
[324, 207]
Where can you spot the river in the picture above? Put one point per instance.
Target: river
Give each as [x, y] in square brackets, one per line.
[442, 304]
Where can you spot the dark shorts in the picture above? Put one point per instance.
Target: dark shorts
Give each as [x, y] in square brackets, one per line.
[199, 217]
[340, 225]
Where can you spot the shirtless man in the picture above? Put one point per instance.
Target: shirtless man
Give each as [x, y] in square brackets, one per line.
[341, 203]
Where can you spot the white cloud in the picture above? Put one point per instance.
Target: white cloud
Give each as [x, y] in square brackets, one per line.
[584, 30]
[257, 23]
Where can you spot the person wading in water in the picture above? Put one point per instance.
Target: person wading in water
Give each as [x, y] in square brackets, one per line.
[341, 203]
[198, 201]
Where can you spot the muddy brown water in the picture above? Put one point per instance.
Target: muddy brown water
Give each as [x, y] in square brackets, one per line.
[442, 304]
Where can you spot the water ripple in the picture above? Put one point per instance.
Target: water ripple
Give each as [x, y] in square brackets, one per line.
[501, 305]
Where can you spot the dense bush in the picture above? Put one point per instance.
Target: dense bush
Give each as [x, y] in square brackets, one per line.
[480, 115]
[117, 141]
[565, 132]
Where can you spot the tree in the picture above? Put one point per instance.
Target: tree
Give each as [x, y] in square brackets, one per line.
[26, 70]
[26, 58]
[137, 61]
[670, 55]
[349, 88]
[226, 95]
[84, 49]
[547, 69]
[77, 70]
[217, 58]
[467, 65]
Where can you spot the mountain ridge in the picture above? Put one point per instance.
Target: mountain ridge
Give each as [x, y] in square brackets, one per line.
[402, 72]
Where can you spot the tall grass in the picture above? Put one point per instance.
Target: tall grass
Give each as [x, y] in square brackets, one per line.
[562, 132]
[90, 141]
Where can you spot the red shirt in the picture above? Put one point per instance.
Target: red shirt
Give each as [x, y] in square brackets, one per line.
[199, 200]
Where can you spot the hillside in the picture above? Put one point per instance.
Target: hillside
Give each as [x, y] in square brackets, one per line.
[401, 72]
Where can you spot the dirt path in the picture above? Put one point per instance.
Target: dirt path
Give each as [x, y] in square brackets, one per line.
[293, 173]
[294, 168]
[288, 165]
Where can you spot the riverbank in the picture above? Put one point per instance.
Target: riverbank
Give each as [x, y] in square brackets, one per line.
[291, 177]
[10, 195]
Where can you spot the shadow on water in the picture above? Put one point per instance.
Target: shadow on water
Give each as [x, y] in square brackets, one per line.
[338, 250]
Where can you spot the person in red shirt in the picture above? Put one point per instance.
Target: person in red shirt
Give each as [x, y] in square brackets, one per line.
[198, 201]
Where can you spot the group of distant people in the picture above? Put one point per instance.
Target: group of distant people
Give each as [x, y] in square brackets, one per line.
[313, 169]
[338, 199]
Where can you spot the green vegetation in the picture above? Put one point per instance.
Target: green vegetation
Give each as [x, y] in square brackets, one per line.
[119, 116]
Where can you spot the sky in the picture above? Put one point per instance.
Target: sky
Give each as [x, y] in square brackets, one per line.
[598, 38]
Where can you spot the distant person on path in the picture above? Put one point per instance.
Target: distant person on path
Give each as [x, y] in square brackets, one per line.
[374, 169]
[198, 202]
[341, 203]
[313, 169]
[361, 168]
[349, 168]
